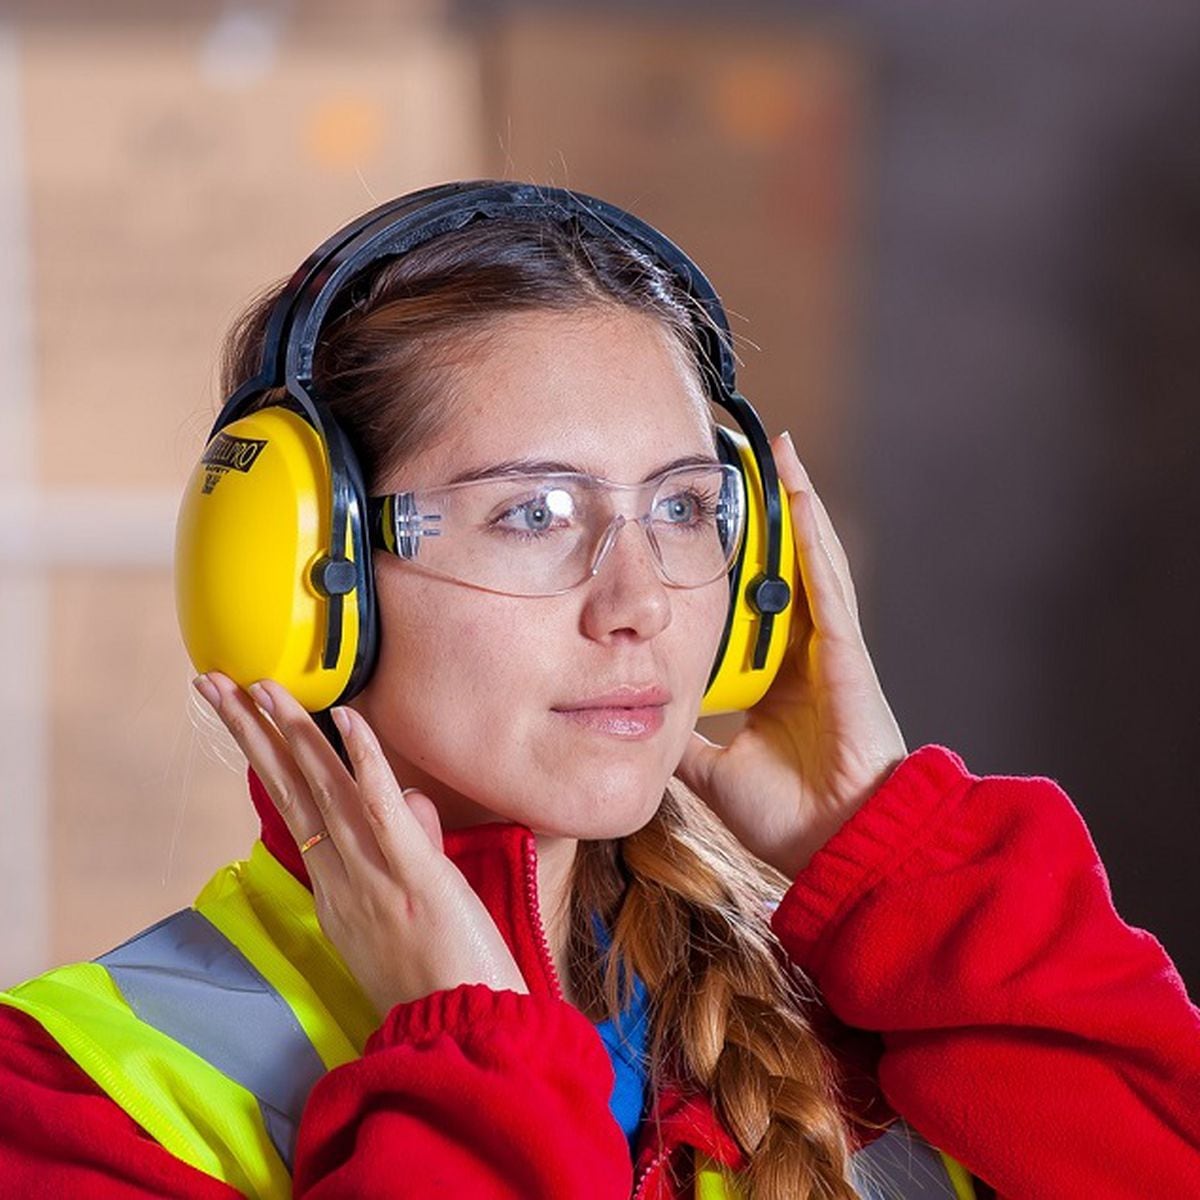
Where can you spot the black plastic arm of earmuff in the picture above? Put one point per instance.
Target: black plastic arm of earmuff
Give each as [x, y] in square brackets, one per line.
[272, 372]
[443, 209]
[272, 364]
[769, 592]
[335, 576]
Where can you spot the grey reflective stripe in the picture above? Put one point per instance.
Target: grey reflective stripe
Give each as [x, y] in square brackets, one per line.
[282, 1130]
[184, 977]
[901, 1165]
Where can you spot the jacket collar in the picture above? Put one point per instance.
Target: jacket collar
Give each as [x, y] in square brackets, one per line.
[499, 861]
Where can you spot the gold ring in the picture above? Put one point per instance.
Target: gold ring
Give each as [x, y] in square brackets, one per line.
[316, 839]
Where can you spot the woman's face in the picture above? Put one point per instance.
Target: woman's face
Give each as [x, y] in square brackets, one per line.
[481, 699]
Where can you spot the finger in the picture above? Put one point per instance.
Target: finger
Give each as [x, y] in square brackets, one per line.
[695, 769]
[836, 551]
[266, 752]
[796, 478]
[828, 610]
[400, 834]
[333, 789]
[427, 816]
[830, 593]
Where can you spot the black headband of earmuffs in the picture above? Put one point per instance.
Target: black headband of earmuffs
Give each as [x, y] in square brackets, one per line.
[392, 229]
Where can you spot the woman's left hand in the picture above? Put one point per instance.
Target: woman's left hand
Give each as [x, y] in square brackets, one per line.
[823, 737]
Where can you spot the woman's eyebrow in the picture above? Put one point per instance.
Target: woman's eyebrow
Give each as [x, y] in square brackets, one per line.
[547, 466]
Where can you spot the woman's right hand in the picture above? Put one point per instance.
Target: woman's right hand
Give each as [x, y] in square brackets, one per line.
[399, 912]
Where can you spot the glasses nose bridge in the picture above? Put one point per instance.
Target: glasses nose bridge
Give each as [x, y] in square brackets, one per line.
[608, 539]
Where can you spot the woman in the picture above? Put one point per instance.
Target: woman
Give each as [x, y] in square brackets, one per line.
[536, 963]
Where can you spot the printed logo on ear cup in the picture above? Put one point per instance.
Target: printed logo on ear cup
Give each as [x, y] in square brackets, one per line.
[226, 453]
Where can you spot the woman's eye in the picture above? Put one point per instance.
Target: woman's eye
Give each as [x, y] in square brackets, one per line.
[538, 515]
[683, 508]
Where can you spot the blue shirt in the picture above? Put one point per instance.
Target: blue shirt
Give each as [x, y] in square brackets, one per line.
[625, 1040]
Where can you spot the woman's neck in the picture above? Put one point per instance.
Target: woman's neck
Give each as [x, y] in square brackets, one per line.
[556, 857]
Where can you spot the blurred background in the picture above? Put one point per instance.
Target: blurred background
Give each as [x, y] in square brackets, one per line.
[961, 251]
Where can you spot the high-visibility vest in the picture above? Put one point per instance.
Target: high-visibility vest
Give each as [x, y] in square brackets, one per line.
[211, 1027]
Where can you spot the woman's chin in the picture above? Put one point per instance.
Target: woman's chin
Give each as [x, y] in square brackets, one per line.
[587, 804]
[594, 814]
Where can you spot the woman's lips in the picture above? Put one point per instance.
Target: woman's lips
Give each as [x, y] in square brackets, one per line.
[629, 723]
[629, 712]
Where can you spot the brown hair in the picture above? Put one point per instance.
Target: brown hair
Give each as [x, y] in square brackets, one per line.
[687, 905]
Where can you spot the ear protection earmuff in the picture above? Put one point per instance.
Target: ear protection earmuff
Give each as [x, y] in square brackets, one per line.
[273, 574]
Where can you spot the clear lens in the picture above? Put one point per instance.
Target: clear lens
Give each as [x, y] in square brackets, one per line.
[694, 524]
[540, 535]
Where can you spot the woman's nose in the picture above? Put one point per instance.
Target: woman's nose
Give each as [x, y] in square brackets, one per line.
[626, 592]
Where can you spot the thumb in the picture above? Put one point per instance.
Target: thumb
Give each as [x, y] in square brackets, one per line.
[696, 766]
[427, 816]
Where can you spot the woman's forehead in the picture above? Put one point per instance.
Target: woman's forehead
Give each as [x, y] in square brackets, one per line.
[609, 393]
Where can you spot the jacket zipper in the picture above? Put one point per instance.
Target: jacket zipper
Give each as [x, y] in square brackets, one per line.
[535, 917]
[535, 914]
[653, 1166]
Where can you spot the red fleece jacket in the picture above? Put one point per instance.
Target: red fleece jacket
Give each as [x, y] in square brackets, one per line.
[960, 930]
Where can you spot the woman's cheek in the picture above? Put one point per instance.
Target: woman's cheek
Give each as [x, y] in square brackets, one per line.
[705, 619]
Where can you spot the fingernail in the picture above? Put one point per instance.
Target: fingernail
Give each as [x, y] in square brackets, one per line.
[794, 454]
[207, 689]
[259, 695]
[342, 721]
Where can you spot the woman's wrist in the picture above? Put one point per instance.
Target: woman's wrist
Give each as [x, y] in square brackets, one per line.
[817, 833]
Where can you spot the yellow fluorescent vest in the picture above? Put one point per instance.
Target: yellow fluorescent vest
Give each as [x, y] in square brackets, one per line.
[211, 1027]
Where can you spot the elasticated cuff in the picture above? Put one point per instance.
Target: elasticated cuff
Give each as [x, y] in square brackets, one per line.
[472, 1012]
[887, 828]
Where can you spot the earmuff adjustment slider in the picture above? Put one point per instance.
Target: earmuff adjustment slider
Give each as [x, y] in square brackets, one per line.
[769, 594]
[334, 576]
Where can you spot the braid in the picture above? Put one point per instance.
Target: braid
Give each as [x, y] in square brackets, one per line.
[687, 906]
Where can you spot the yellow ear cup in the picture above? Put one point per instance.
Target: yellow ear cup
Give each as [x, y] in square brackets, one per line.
[736, 686]
[253, 521]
